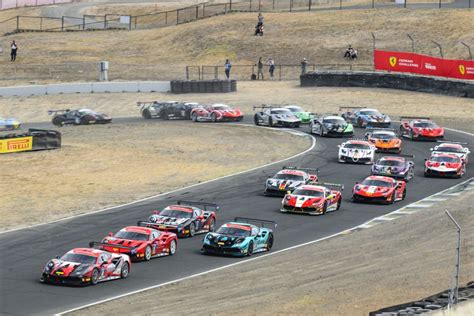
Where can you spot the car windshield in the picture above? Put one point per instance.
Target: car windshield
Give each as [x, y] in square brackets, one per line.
[233, 231]
[86, 111]
[176, 213]
[376, 183]
[222, 107]
[391, 163]
[308, 192]
[449, 149]
[334, 121]
[444, 159]
[357, 146]
[295, 109]
[425, 125]
[286, 176]
[123, 234]
[280, 112]
[370, 112]
[383, 135]
[80, 258]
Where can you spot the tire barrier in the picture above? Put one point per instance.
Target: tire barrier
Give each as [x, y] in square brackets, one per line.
[203, 86]
[33, 140]
[444, 86]
[428, 304]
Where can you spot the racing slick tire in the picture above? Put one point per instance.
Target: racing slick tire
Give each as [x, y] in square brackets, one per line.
[194, 117]
[255, 120]
[213, 117]
[404, 194]
[147, 255]
[164, 115]
[84, 121]
[339, 204]
[360, 122]
[250, 249]
[270, 122]
[325, 208]
[57, 121]
[270, 242]
[146, 114]
[392, 198]
[125, 270]
[212, 225]
[95, 276]
[173, 247]
[297, 125]
[192, 230]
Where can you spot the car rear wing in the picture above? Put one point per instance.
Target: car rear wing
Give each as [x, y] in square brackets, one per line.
[51, 112]
[396, 155]
[260, 222]
[154, 225]
[100, 245]
[342, 108]
[146, 103]
[410, 118]
[371, 129]
[452, 142]
[203, 205]
[263, 106]
[307, 170]
[328, 185]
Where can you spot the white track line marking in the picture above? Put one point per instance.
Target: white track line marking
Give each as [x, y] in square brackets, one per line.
[367, 224]
[313, 144]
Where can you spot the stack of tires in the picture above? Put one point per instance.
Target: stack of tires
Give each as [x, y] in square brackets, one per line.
[203, 86]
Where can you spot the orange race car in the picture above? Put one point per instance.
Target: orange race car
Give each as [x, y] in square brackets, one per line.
[385, 140]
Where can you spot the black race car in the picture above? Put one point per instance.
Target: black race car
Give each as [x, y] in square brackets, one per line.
[185, 218]
[330, 125]
[168, 110]
[78, 117]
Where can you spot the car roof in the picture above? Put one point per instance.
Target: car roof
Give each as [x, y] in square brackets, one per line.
[279, 109]
[333, 117]
[244, 226]
[138, 229]
[295, 172]
[382, 178]
[393, 158]
[450, 145]
[367, 109]
[311, 187]
[188, 209]
[292, 106]
[383, 132]
[353, 141]
[220, 104]
[87, 251]
[441, 154]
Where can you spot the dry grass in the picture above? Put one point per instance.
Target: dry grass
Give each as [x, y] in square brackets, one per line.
[98, 167]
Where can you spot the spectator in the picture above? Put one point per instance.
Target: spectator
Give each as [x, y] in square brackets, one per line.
[260, 68]
[304, 64]
[260, 19]
[227, 67]
[14, 48]
[271, 69]
[259, 28]
[350, 53]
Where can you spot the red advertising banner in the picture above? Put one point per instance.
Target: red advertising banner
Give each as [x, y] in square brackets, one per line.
[423, 65]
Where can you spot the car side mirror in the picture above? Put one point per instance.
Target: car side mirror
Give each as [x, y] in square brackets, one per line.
[111, 234]
[426, 159]
[338, 146]
[357, 182]
[58, 257]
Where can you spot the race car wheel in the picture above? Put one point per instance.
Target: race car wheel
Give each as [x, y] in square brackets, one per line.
[95, 277]
[173, 247]
[325, 208]
[250, 249]
[194, 117]
[192, 230]
[270, 122]
[270, 242]
[146, 114]
[338, 204]
[297, 125]
[404, 194]
[125, 270]
[212, 225]
[147, 253]
[213, 117]
[58, 121]
[255, 120]
[84, 120]
[360, 122]
[391, 199]
[164, 115]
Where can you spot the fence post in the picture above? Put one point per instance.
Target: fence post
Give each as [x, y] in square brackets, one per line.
[177, 17]
[412, 43]
[373, 4]
[405, 4]
[197, 12]
[373, 47]
[230, 5]
[250, 5]
[279, 75]
[83, 22]
[166, 18]
[216, 74]
[17, 22]
[309, 5]
[41, 23]
[225, 8]
[199, 72]
[136, 18]
[440, 48]
[130, 23]
[340, 4]
[187, 72]
[273, 6]
[291, 5]
[439, 4]
[259, 5]
[105, 21]
[62, 23]
[468, 48]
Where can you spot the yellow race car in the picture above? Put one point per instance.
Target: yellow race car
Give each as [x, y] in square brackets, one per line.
[385, 140]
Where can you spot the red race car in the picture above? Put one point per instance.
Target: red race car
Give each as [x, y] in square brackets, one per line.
[444, 165]
[216, 113]
[140, 243]
[312, 199]
[82, 266]
[185, 218]
[379, 189]
[420, 128]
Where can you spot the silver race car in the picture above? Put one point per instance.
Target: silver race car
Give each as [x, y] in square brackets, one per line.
[456, 148]
[288, 179]
[275, 116]
[357, 151]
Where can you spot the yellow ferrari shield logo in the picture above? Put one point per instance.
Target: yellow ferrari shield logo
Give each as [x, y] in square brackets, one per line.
[393, 61]
[462, 69]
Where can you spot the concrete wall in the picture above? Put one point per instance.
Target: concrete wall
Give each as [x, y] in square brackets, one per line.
[388, 80]
[88, 87]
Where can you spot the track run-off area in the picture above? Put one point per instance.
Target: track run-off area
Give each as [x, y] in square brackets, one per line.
[26, 251]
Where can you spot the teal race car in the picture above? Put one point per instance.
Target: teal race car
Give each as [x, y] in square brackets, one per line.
[240, 238]
[304, 116]
[9, 124]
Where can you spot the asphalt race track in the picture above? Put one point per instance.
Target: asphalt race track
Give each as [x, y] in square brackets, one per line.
[25, 252]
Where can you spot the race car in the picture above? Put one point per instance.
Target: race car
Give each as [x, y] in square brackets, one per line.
[9, 124]
[379, 189]
[167, 110]
[363, 117]
[185, 218]
[304, 116]
[356, 151]
[313, 199]
[240, 238]
[455, 148]
[330, 125]
[83, 266]
[420, 128]
[216, 113]
[397, 167]
[288, 179]
[275, 116]
[384, 140]
[139, 243]
[78, 117]
[444, 165]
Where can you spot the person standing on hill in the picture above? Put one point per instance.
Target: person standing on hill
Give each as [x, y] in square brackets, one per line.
[14, 48]
[304, 64]
[227, 67]
[260, 68]
[271, 69]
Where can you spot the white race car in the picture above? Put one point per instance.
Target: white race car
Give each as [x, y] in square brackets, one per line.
[357, 151]
[454, 148]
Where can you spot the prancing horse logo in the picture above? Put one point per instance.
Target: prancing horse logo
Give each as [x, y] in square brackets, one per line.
[462, 69]
[393, 61]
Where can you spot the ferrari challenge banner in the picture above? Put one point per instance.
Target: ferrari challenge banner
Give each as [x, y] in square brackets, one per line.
[13, 145]
[423, 65]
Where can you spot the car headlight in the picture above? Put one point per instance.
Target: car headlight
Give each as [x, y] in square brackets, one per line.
[49, 266]
[209, 237]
